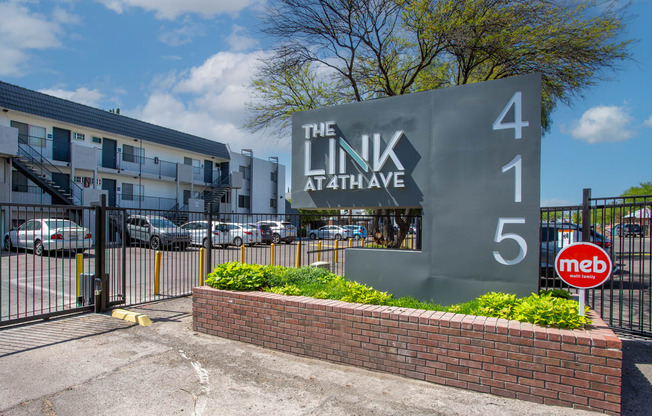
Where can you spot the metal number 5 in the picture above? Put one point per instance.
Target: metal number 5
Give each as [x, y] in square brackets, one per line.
[510, 236]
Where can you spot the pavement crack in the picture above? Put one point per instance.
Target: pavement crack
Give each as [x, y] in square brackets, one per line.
[200, 400]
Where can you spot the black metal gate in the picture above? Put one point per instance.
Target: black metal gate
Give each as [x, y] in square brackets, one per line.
[621, 225]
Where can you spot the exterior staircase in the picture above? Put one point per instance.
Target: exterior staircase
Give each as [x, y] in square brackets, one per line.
[211, 194]
[42, 172]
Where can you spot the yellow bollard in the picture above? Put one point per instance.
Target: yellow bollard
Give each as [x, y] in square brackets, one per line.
[80, 270]
[411, 242]
[272, 248]
[242, 254]
[336, 245]
[350, 242]
[202, 265]
[319, 251]
[298, 254]
[362, 242]
[157, 272]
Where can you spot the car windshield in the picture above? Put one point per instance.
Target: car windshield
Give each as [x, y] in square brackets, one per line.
[162, 223]
[60, 224]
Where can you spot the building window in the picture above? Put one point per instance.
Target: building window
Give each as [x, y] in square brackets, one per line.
[273, 176]
[36, 136]
[272, 203]
[243, 201]
[226, 198]
[19, 182]
[31, 135]
[97, 140]
[133, 154]
[78, 136]
[131, 192]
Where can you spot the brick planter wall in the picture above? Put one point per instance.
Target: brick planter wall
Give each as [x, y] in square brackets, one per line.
[574, 368]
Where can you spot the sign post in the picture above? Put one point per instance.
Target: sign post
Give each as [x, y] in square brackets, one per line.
[584, 266]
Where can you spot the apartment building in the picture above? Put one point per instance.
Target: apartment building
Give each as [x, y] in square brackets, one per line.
[54, 151]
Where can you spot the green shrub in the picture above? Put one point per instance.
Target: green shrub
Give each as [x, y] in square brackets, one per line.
[548, 310]
[498, 305]
[236, 276]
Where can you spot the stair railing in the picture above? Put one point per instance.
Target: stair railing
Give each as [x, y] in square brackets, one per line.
[44, 168]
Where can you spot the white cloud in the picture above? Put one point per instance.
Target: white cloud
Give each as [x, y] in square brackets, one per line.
[184, 34]
[62, 16]
[22, 31]
[209, 101]
[80, 95]
[648, 122]
[170, 9]
[238, 41]
[603, 124]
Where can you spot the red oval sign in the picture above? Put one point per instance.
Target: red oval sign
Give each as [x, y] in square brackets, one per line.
[583, 265]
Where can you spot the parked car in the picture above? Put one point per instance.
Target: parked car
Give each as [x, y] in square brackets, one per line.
[356, 231]
[158, 232]
[330, 232]
[238, 234]
[281, 231]
[625, 230]
[555, 236]
[266, 234]
[199, 233]
[51, 234]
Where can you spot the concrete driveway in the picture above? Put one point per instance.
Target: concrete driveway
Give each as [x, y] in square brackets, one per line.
[95, 364]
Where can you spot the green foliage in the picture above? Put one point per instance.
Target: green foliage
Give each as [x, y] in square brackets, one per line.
[547, 310]
[236, 276]
[499, 305]
[643, 188]
[557, 293]
[410, 302]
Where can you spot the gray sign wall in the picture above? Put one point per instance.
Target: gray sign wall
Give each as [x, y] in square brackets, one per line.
[468, 155]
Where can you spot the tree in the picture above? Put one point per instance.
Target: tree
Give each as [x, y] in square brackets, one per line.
[342, 51]
[643, 188]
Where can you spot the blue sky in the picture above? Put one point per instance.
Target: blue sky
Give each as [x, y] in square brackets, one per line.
[186, 65]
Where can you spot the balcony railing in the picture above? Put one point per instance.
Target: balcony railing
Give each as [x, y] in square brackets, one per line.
[144, 202]
[139, 164]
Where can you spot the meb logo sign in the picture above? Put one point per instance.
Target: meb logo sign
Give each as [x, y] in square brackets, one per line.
[583, 265]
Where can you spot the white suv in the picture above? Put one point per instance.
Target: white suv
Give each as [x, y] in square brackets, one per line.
[281, 231]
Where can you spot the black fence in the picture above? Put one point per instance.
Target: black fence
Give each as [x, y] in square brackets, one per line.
[621, 226]
[134, 256]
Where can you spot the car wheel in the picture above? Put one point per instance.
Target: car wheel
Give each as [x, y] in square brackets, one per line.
[276, 238]
[357, 237]
[7, 243]
[237, 241]
[205, 243]
[313, 236]
[338, 237]
[155, 243]
[38, 248]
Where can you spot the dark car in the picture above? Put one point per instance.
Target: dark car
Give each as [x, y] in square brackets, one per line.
[266, 233]
[625, 230]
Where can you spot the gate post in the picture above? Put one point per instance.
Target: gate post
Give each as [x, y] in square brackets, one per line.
[209, 249]
[101, 300]
[586, 215]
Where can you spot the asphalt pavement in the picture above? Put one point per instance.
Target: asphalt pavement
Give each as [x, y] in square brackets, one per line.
[96, 364]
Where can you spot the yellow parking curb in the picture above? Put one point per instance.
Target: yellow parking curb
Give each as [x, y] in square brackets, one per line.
[129, 316]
